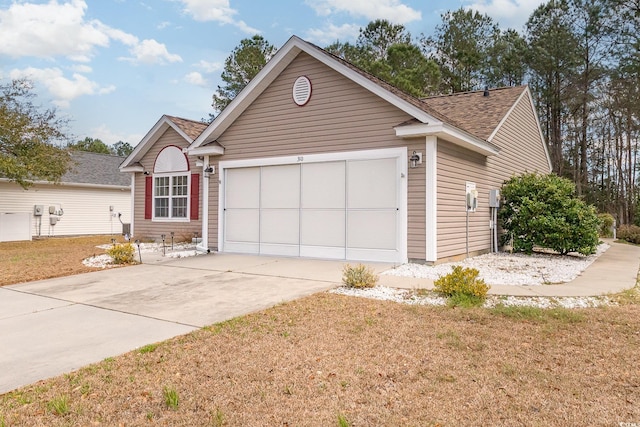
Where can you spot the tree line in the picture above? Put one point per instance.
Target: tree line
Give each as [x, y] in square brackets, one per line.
[580, 58]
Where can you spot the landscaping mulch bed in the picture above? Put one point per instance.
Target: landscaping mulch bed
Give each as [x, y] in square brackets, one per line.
[45, 258]
[337, 360]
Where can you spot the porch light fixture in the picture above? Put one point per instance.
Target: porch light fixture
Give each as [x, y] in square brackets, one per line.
[415, 160]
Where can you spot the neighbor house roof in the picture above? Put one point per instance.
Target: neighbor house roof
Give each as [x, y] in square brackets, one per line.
[474, 112]
[96, 169]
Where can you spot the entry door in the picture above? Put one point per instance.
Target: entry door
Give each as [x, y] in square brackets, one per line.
[340, 210]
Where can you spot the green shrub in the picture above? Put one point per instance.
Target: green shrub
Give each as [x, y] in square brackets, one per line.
[606, 225]
[462, 282]
[358, 277]
[630, 233]
[122, 254]
[543, 211]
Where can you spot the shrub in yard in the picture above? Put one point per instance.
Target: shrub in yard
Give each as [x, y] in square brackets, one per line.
[606, 225]
[543, 211]
[359, 276]
[122, 254]
[461, 284]
[629, 233]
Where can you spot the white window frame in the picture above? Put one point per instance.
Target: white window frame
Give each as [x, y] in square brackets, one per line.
[171, 197]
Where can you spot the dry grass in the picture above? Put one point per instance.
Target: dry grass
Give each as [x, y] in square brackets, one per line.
[331, 360]
[47, 257]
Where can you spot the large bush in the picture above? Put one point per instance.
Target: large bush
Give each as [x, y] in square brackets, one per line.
[543, 211]
[629, 233]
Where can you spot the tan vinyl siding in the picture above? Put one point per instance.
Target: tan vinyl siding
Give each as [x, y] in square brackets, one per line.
[340, 116]
[456, 166]
[86, 210]
[521, 149]
[146, 228]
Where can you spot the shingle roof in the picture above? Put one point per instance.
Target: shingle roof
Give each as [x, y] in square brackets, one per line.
[477, 114]
[94, 168]
[192, 128]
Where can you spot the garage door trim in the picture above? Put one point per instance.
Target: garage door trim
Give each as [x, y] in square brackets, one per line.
[399, 154]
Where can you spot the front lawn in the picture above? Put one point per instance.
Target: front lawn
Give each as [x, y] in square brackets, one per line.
[330, 360]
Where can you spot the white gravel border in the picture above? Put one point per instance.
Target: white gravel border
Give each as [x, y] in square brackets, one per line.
[180, 250]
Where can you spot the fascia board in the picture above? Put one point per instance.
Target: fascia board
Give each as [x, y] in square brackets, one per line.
[448, 133]
[211, 150]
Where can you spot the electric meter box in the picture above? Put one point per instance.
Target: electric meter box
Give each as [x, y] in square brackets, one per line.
[38, 210]
[494, 198]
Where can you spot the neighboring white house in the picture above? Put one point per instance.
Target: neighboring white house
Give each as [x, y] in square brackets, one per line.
[93, 197]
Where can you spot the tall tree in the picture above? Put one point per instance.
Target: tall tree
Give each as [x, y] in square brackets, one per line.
[506, 60]
[122, 149]
[386, 51]
[246, 60]
[461, 47]
[30, 137]
[552, 62]
[92, 145]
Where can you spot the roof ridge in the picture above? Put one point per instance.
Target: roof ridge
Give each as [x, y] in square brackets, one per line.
[470, 92]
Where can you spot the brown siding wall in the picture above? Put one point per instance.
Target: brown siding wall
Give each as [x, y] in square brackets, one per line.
[151, 230]
[521, 150]
[340, 116]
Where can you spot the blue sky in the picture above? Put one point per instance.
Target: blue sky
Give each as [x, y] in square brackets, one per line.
[113, 67]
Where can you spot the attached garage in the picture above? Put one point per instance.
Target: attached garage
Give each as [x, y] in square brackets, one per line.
[340, 206]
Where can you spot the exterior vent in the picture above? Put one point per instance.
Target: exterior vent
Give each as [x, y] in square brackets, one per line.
[301, 90]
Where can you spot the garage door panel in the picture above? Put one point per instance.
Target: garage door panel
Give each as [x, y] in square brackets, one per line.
[322, 227]
[242, 188]
[280, 226]
[280, 187]
[323, 185]
[242, 225]
[372, 184]
[372, 229]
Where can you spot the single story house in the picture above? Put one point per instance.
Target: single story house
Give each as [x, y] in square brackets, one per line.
[93, 197]
[317, 158]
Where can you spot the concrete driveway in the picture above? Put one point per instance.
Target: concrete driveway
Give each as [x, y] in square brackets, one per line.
[54, 326]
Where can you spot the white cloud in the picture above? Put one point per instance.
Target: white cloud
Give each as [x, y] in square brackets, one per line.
[195, 78]
[62, 88]
[209, 67]
[151, 52]
[508, 13]
[392, 10]
[330, 33]
[81, 68]
[108, 136]
[52, 29]
[215, 10]
[163, 25]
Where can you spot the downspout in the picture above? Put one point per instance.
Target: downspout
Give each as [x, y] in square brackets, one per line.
[133, 204]
[204, 200]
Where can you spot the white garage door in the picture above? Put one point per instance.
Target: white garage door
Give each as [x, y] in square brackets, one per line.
[346, 209]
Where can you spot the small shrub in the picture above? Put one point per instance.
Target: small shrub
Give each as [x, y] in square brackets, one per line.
[122, 254]
[358, 277]
[629, 233]
[461, 284]
[606, 225]
[171, 398]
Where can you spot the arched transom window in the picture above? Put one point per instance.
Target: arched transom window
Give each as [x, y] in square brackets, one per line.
[171, 185]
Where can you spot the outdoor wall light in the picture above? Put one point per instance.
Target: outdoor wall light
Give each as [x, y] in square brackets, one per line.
[209, 169]
[146, 173]
[415, 160]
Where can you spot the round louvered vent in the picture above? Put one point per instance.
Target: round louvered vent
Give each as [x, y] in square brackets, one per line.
[301, 90]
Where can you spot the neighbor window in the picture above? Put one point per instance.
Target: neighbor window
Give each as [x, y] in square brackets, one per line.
[171, 196]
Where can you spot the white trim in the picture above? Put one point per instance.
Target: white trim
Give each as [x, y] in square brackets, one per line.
[75, 184]
[283, 57]
[214, 150]
[430, 163]
[401, 163]
[506, 116]
[150, 138]
[448, 133]
[170, 197]
[204, 202]
[133, 203]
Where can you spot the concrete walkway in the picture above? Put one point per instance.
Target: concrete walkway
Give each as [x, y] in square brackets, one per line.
[54, 326]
